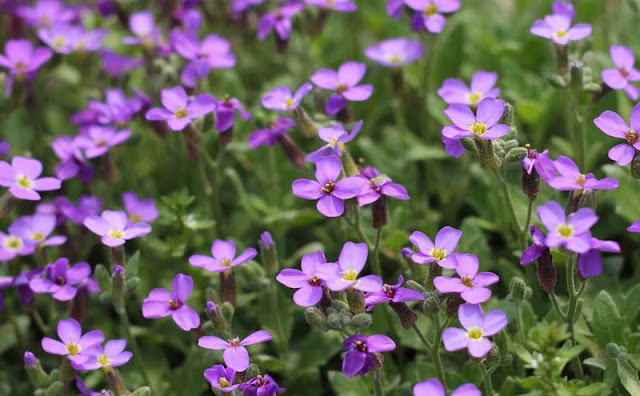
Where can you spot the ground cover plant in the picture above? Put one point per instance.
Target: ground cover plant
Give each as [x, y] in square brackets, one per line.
[319, 197]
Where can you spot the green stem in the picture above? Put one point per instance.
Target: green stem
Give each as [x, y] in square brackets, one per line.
[507, 197]
[282, 340]
[375, 258]
[554, 302]
[435, 349]
[357, 228]
[122, 312]
[520, 323]
[574, 296]
[488, 386]
[525, 229]
[376, 376]
[422, 337]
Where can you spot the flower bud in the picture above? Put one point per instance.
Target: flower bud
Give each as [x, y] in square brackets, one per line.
[355, 298]
[507, 115]
[407, 316]
[557, 81]
[144, 391]
[518, 290]
[228, 287]
[339, 305]
[361, 321]
[531, 184]
[379, 214]
[469, 144]
[488, 159]
[493, 357]
[547, 276]
[305, 124]
[334, 321]
[635, 166]
[54, 389]
[291, 150]
[227, 311]
[112, 377]
[30, 359]
[117, 282]
[37, 375]
[411, 284]
[577, 76]
[345, 318]
[454, 301]
[516, 154]
[316, 318]
[593, 88]
[217, 319]
[268, 253]
[431, 304]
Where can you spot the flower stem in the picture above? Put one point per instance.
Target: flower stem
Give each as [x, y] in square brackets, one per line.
[375, 258]
[122, 312]
[554, 302]
[525, 229]
[486, 375]
[435, 349]
[376, 376]
[422, 337]
[275, 308]
[507, 197]
[521, 334]
[574, 296]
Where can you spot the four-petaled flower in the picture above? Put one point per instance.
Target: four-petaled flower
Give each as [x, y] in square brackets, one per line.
[359, 349]
[573, 234]
[482, 86]
[98, 139]
[395, 52]
[235, 354]
[482, 125]
[61, 281]
[540, 163]
[613, 125]
[344, 82]
[308, 281]
[74, 345]
[179, 109]
[344, 274]
[36, 229]
[161, 303]
[278, 20]
[112, 355]
[430, 12]
[21, 58]
[221, 378]
[142, 24]
[557, 27]
[261, 385]
[21, 176]
[476, 327]
[391, 293]
[625, 73]
[114, 227]
[378, 185]
[571, 179]
[224, 257]
[282, 99]
[441, 252]
[471, 285]
[336, 137]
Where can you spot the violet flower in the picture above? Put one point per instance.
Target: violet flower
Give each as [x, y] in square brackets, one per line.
[147, 34]
[391, 293]
[235, 354]
[471, 285]
[635, 227]
[85, 391]
[476, 327]
[557, 27]
[117, 65]
[261, 385]
[221, 378]
[308, 281]
[88, 40]
[116, 108]
[453, 147]
[224, 257]
[378, 185]
[329, 192]
[74, 345]
[269, 136]
[60, 38]
[394, 8]
[359, 349]
[193, 72]
[214, 49]
[430, 12]
[4, 149]
[537, 249]
[279, 20]
[335, 5]
[441, 251]
[21, 58]
[161, 303]
[482, 125]
[345, 83]
[225, 112]
[541, 163]
[72, 162]
[112, 355]
[139, 210]
[12, 246]
[482, 86]
[344, 274]
[239, 6]
[46, 13]
[98, 139]
[613, 125]
[571, 179]
[433, 387]
[179, 110]
[282, 99]
[625, 73]
[21, 283]
[60, 280]
[21, 176]
[114, 229]
[87, 205]
[395, 52]
[573, 233]
[563, 8]
[35, 230]
[336, 137]
[590, 263]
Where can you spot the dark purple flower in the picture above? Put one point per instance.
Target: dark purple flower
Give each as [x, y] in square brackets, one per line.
[98, 139]
[625, 73]
[307, 281]
[278, 20]
[571, 179]
[557, 27]
[573, 233]
[225, 111]
[21, 58]
[392, 293]
[114, 227]
[345, 83]
[74, 345]
[476, 327]
[336, 5]
[147, 34]
[482, 125]
[613, 125]
[471, 285]
[395, 52]
[359, 349]
[262, 385]
[269, 136]
[542, 164]
[433, 387]
[235, 354]
[224, 257]
[336, 137]
[60, 280]
[161, 303]
[344, 274]
[21, 176]
[4, 149]
[590, 263]
[453, 147]
[179, 110]
[139, 210]
[221, 378]
[112, 355]
[378, 185]
[482, 86]
[441, 252]
[282, 99]
[35, 230]
[430, 12]
[116, 65]
[537, 249]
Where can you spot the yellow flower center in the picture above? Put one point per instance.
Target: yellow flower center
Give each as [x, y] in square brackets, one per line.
[59, 41]
[147, 43]
[632, 137]
[289, 102]
[73, 348]
[350, 275]
[581, 179]
[479, 128]
[328, 187]
[234, 342]
[395, 59]
[101, 143]
[475, 333]
[174, 304]
[103, 360]
[226, 262]
[135, 218]
[180, 113]
[24, 181]
[223, 383]
[560, 33]
[466, 280]
[438, 253]
[13, 243]
[473, 97]
[117, 234]
[360, 346]
[565, 230]
[38, 236]
[431, 10]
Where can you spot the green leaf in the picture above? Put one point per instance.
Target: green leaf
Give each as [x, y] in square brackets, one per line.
[626, 194]
[630, 307]
[628, 377]
[596, 389]
[133, 264]
[607, 324]
[344, 386]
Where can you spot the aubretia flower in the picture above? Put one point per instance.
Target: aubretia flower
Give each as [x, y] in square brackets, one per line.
[391, 293]
[430, 12]
[307, 281]
[344, 274]
[72, 163]
[116, 65]
[336, 137]
[21, 176]
[116, 108]
[235, 354]
[12, 246]
[537, 249]
[571, 179]
[161, 303]
[482, 125]
[282, 99]
[622, 76]
[344, 82]
[269, 136]
[573, 233]
[476, 327]
[179, 110]
[278, 20]
[112, 355]
[114, 229]
[46, 13]
[261, 386]
[433, 387]
[139, 210]
[471, 285]
[613, 125]
[221, 378]
[87, 205]
[590, 263]
[60, 280]
[336, 5]
[225, 111]
[635, 227]
[378, 185]
[329, 192]
[395, 52]
[557, 27]
[21, 58]
[146, 32]
[98, 139]
[541, 163]
[60, 38]
[482, 86]
[224, 257]
[441, 251]
[564, 8]
[359, 353]
[74, 345]
[214, 49]
[36, 229]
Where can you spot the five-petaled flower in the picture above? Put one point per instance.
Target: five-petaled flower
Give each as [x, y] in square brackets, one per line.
[308, 281]
[476, 327]
[224, 257]
[21, 176]
[345, 83]
[441, 251]
[235, 354]
[471, 285]
[114, 227]
[161, 303]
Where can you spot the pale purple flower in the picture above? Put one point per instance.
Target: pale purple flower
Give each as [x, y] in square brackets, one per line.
[391, 293]
[147, 34]
[336, 137]
[395, 52]
[394, 8]
[116, 108]
[430, 12]
[36, 230]
[225, 113]
[74, 345]
[329, 192]
[336, 5]
[72, 162]
[344, 274]
[161, 303]
[476, 327]
[235, 354]
[139, 210]
[13, 245]
[471, 285]
[238, 6]
[345, 83]
[21, 58]
[216, 50]
[98, 139]
[221, 378]
[378, 185]
[453, 147]
[60, 38]
[557, 27]
[613, 125]
[60, 280]
[359, 349]
[179, 110]
[625, 73]
[635, 227]
[224, 257]
[543, 165]
[573, 233]
[441, 251]
[537, 249]
[112, 355]
[482, 86]
[279, 20]
[308, 281]
[88, 40]
[482, 125]
[21, 176]
[114, 229]
[87, 205]
[590, 262]
[282, 99]
[116, 65]
[571, 179]
[194, 72]
[46, 13]
[261, 385]
[269, 136]
[563, 8]
[433, 387]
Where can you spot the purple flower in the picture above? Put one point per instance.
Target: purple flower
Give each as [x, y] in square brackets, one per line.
[482, 86]
[635, 227]
[265, 239]
[87, 205]
[537, 249]
[114, 229]
[238, 6]
[60, 38]
[613, 125]
[13, 245]
[88, 40]
[221, 378]
[193, 72]
[344, 274]
[98, 139]
[574, 233]
[344, 82]
[72, 163]
[392, 293]
[74, 345]
[336, 5]
[308, 281]
[441, 252]
[224, 257]
[329, 192]
[116, 65]
[61, 281]
[4, 149]
[139, 210]
[225, 113]
[590, 263]
[622, 76]
[21, 283]
[336, 137]
[146, 32]
[282, 99]
[430, 12]
[85, 391]
[179, 110]
[476, 327]
[433, 387]
[235, 354]
[269, 136]
[35, 230]
[557, 27]
[278, 20]
[453, 147]
[359, 349]
[46, 13]
[394, 8]
[482, 125]
[471, 285]
[261, 386]
[571, 179]
[112, 355]
[395, 52]
[21, 58]
[378, 185]
[22, 178]
[161, 303]
[563, 8]
[214, 49]
[542, 164]
[116, 108]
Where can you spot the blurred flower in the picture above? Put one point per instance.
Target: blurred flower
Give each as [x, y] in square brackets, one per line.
[635, 227]
[394, 8]
[336, 137]
[112, 355]
[433, 387]
[590, 262]
[378, 185]
[613, 125]
[114, 229]
[21, 58]
[85, 391]
[541, 163]
[238, 6]
[214, 49]
[87, 205]
[557, 27]
[225, 111]
[391, 293]
[482, 125]
[35, 230]
[235, 354]
[622, 76]
[430, 12]
[344, 274]
[116, 108]
[282, 99]
[60, 38]
[471, 285]
[46, 13]
[537, 249]
[307, 281]
[74, 345]
[98, 139]
[359, 349]
[563, 8]
[482, 86]
[262, 385]
[21, 283]
[441, 252]
[476, 327]
[161, 303]
[269, 136]
[21, 176]
[13, 245]
[4, 149]
[60, 280]
[179, 110]
[224, 257]
[336, 5]
[221, 378]
[573, 233]
[139, 210]
[278, 20]
[147, 34]
[571, 179]
[72, 162]
[395, 52]
[116, 65]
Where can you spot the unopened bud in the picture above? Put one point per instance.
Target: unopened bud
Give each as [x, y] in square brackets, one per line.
[305, 124]
[37, 375]
[516, 154]
[334, 321]
[454, 301]
[592, 88]
[350, 167]
[117, 283]
[345, 318]
[227, 311]
[268, 253]
[469, 144]
[488, 159]
[54, 389]
[557, 81]
[379, 214]
[635, 166]
[291, 150]
[355, 298]
[316, 318]
[530, 184]
[507, 115]
[431, 304]
[493, 357]
[518, 290]
[217, 319]
[339, 305]
[361, 321]
[252, 371]
[577, 76]
[547, 276]
[411, 284]
[30, 359]
[406, 315]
